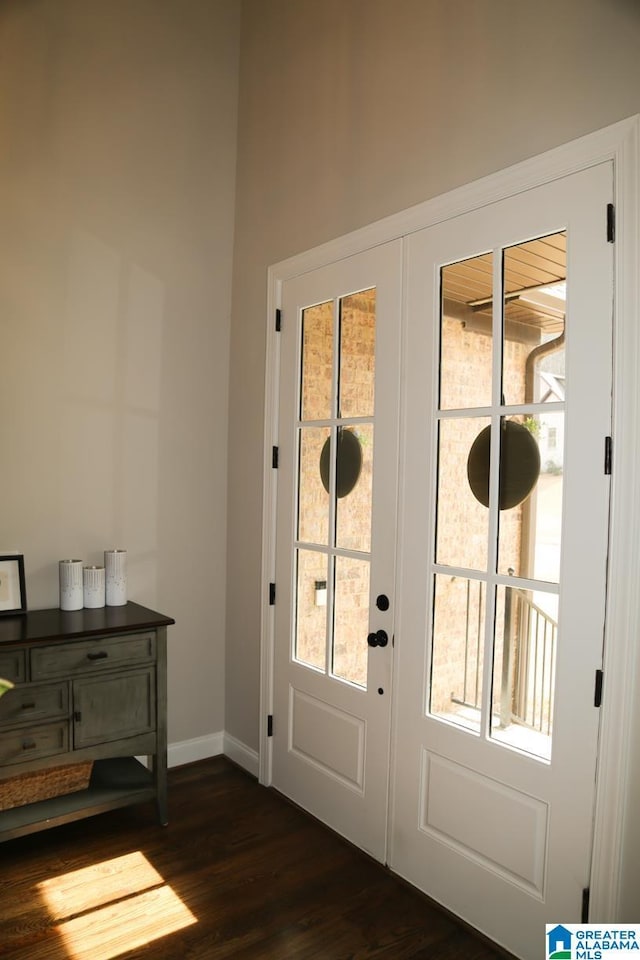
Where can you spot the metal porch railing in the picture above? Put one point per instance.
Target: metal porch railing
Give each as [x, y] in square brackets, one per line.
[528, 659]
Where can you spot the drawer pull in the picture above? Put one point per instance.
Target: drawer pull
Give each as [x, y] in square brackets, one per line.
[102, 655]
[29, 745]
[28, 706]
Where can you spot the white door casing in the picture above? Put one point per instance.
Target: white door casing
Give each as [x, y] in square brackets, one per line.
[618, 143]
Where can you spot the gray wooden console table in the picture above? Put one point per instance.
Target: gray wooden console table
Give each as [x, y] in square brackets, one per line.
[90, 685]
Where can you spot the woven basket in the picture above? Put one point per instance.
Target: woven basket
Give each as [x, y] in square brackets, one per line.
[44, 784]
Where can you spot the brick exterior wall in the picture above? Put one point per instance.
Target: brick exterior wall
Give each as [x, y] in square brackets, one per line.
[462, 521]
[353, 512]
[462, 528]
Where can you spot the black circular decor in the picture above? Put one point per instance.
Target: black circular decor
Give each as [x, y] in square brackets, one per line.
[519, 465]
[349, 462]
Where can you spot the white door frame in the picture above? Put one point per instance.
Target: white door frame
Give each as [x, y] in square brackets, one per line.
[619, 143]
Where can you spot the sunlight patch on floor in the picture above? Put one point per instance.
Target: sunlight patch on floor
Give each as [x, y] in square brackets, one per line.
[106, 909]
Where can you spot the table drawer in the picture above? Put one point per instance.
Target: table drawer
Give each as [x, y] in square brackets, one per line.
[20, 746]
[25, 704]
[12, 665]
[89, 656]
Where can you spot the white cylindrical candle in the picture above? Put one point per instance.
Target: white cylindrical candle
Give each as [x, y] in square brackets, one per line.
[93, 583]
[115, 565]
[70, 584]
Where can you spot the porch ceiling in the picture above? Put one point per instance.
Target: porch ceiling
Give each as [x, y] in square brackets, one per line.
[528, 268]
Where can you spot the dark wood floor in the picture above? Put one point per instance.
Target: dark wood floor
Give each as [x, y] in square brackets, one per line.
[239, 873]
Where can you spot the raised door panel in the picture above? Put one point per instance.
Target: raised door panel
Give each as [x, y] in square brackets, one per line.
[113, 708]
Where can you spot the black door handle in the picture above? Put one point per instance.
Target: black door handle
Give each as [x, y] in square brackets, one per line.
[379, 639]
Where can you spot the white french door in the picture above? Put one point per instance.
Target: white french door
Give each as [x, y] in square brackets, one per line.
[488, 435]
[335, 541]
[503, 546]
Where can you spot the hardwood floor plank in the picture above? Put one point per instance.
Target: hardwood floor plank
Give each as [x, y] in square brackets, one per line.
[238, 873]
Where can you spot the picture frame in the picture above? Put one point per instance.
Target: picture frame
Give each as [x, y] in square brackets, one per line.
[13, 592]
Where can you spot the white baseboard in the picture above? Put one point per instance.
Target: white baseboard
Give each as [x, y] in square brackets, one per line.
[241, 754]
[200, 748]
[212, 745]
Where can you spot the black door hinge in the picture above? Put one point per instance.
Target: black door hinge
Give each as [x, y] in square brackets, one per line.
[278, 320]
[274, 457]
[608, 455]
[584, 916]
[597, 694]
[272, 594]
[611, 223]
[270, 725]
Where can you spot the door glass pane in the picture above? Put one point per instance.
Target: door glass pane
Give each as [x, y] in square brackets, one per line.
[351, 620]
[353, 512]
[465, 333]
[457, 650]
[311, 608]
[357, 354]
[462, 520]
[529, 522]
[317, 362]
[534, 321]
[313, 499]
[524, 669]
[336, 460]
[530, 531]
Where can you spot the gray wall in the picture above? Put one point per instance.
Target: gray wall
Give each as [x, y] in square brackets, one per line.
[117, 177]
[354, 109]
[117, 181]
